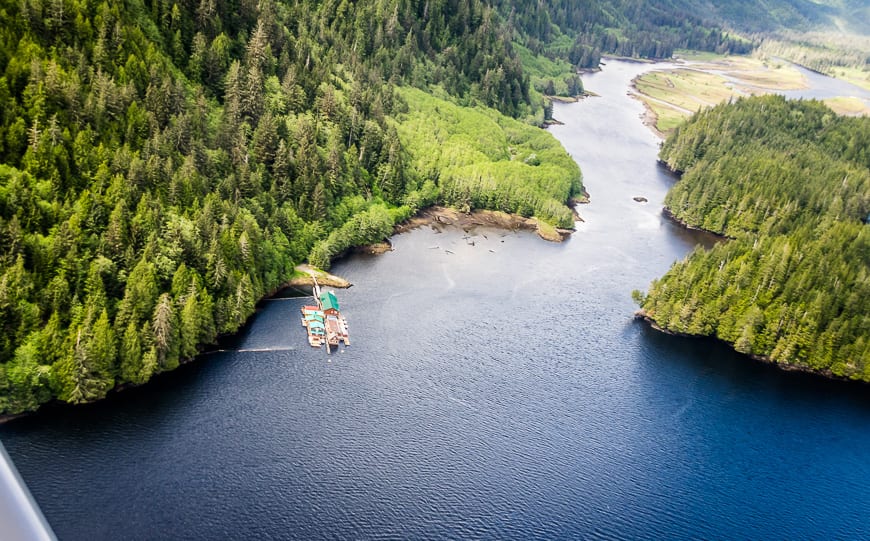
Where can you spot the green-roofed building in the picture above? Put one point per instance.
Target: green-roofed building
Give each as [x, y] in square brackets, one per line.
[329, 302]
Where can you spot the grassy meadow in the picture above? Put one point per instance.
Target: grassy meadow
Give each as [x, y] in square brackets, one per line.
[708, 79]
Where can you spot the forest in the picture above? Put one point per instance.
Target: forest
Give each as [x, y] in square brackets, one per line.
[789, 183]
[165, 164]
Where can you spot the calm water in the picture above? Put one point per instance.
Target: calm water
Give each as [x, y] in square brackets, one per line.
[819, 86]
[501, 391]
[822, 87]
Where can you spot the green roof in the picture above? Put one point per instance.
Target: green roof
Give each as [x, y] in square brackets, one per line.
[328, 301]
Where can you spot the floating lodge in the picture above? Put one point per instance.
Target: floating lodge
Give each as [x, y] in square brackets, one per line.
[324, 322]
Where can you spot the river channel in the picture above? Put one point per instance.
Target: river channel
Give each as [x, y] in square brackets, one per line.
[494, 390]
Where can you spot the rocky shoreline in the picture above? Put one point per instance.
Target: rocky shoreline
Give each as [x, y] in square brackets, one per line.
[305, 275]
[436, 216]
[667, 213]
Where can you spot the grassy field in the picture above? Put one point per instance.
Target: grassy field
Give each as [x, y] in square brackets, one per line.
[856, 76]
[765, 74]
[848, 106]
[685, 89]
[708, 79]
[839, 55]
[749, 70]
[666, 117]
[697, 56]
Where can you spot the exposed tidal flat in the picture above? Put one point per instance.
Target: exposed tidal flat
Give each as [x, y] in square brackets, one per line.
[438, 217]
[502, 390]
[676, 90]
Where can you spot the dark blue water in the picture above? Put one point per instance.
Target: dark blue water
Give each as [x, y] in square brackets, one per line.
[500, 391]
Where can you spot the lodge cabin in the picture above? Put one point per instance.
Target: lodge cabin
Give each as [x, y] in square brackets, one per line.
[324, 323]
[329, 304]
[336, 325]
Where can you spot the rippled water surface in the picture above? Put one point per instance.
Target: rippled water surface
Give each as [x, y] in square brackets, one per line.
[499, 391]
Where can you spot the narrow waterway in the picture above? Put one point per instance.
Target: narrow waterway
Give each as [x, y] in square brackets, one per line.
[822, 87]
[818, 85]
[499, 390]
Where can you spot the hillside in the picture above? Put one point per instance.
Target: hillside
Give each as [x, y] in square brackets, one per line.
[163, 166]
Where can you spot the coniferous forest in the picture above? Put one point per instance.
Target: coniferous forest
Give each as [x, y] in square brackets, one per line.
[789, 183]
[165, 164]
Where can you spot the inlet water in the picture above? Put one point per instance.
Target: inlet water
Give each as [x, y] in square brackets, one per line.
[500, 390]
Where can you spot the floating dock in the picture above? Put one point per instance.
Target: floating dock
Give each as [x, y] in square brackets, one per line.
[313, 321]
[324, 323]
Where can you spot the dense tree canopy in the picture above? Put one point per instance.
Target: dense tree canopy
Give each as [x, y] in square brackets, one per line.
[789, 181]
[165, 164]
[583, 31]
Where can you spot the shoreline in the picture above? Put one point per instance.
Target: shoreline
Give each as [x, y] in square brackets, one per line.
[305, 278]
[667, 213]
[643, 317]
[446, 216]
[649, 118]
[305, 273]
[632, 59]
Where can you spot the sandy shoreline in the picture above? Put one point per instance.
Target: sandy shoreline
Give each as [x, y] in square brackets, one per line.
[649, 118]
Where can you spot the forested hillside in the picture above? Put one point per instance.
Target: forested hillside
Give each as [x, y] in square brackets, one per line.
[789, 181]
[754, 16]
[166, 163]
[485, 160]
[583, 31]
